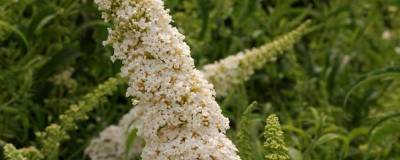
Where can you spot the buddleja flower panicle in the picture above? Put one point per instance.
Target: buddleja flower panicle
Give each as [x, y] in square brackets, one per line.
[176, 113]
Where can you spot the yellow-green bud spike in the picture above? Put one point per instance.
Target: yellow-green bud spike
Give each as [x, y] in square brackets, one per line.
[11, 153]
[274, 140]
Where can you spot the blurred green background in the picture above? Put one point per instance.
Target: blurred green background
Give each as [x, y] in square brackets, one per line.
[337, 92]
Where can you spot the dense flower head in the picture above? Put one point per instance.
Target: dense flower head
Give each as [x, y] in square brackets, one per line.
[32, 153]
[11, 153]
[235, 69]
[274, 140]
[176, 113]
[29, 153]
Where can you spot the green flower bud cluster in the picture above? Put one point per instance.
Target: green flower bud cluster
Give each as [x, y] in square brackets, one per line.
[274, 140]
[30, 153]
[12, 153]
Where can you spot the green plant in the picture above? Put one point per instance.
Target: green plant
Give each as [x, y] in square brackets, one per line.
[244, 137]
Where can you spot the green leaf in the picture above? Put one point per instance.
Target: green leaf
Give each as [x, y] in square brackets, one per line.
[382, 120]
[387, 129]
[16, 31]
[41, 18]
[317, 118]
[357, 132]
[298, 131]
[295, 154]
[43, 22]
[130, 141]
[328, 137]
[90, 24]
[351, 136]
[393, 71]
[204, 15]
[244, 137]
[62, 58]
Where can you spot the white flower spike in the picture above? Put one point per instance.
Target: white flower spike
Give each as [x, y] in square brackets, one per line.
[176, 114]
[236, 69]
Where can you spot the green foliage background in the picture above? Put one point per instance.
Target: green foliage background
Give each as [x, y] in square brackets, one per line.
[351, 46]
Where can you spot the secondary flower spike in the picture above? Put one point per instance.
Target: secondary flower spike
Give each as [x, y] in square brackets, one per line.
[176, 113]
[235, 69]
[274, 140]
[111, 143]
